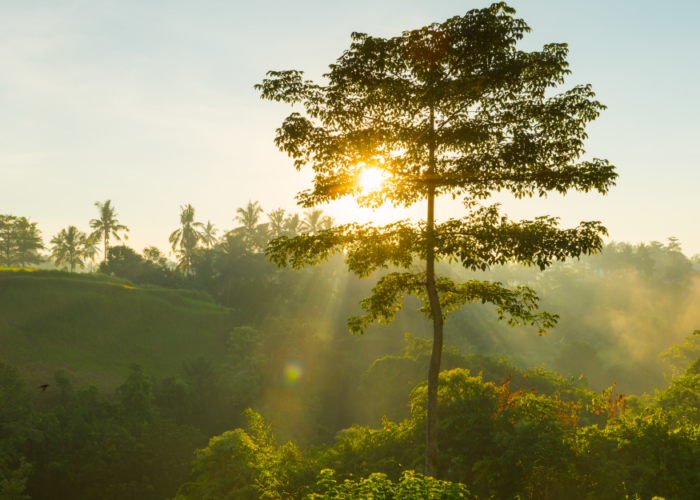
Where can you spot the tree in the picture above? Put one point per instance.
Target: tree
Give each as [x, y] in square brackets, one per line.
[248, 217]
[15, 418]
[276, 222]
[13, 487]
[106, 226]
[20, 240]
[259, 238]
[27, 241]
[255, 235]
[680, 356]
[123, 262]
[449, 109]
[245, 465]
[314, 221]
[71, 248]
[292, 225]
[7, 239]
[209, 234]
[137, 395]
[153, 254]
[186, 238]
[328, 222]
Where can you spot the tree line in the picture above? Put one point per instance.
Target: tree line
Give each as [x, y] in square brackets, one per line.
[21, 241]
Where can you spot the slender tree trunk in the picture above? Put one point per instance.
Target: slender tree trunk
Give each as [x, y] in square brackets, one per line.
[431, 439]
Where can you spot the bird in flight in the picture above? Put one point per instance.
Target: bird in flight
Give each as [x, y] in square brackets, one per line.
[43, 387]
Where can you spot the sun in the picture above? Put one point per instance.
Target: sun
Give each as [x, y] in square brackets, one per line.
[371, 179]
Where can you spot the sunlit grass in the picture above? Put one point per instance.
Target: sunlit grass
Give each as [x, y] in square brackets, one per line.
[94, 326]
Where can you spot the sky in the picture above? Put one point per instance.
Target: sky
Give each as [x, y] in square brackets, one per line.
[151, 104]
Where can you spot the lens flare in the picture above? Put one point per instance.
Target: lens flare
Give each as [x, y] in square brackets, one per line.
[371, 179]
[293, 372]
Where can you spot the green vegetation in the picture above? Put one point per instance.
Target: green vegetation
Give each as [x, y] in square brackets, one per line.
[72, 249]
[20, 241]
[324, 392]
[230, 373]
[282, 349]
[499, 443]
[93, 326]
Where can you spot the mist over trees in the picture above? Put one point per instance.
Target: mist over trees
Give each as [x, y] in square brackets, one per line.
[294, 364]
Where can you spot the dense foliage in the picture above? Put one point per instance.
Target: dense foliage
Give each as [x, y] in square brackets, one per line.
[508, 433]
[20, 242]
[499, 443]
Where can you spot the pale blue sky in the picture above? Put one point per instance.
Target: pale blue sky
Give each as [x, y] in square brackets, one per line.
[151, 104]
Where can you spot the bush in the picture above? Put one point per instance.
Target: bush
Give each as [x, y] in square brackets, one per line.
[411, 486]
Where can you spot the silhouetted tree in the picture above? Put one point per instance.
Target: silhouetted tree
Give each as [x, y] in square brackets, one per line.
[248, 217]
[28, 242]
[314, 221]
[106, 226]
[20, 241]
[450, 109]
[7, 239]
[276, 222]
[185, 239]
[292, 225]
[209, 234]
[71, 248]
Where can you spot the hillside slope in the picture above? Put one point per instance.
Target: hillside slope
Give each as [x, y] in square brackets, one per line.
[94, 327]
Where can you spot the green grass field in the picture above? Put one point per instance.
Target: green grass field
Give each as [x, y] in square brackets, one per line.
[95, 326]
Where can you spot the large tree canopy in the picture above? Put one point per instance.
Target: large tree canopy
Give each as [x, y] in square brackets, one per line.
[454, 106]
[450, 109]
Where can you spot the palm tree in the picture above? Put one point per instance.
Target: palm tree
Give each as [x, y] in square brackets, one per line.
[314, 221]
[186, 238]
[276, 222]
[209, 234]
[106, 226]
[248, 217]
[327, 223]
[71, 247]
[260, 237]
[292, 225]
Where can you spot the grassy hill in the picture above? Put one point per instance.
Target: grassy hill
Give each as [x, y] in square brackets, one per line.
[94, 326]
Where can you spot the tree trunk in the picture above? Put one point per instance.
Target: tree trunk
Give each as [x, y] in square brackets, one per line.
[431, 440]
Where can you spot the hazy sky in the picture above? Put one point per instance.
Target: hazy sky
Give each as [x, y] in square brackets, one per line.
[151, 104]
